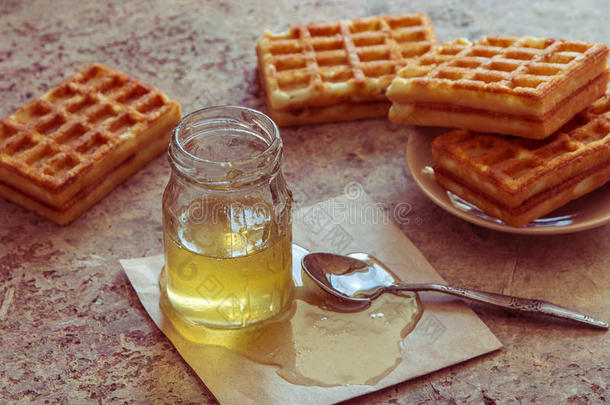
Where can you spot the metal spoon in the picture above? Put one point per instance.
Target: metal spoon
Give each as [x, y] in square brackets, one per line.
[360, 277]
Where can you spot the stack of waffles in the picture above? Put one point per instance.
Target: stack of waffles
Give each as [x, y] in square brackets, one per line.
[519, 180]
[527, 87]
[519, 86]
[504, 88]
[63, 152]
[336, 71]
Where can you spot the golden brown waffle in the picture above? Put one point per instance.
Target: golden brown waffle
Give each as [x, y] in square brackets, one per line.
[334, 71]
[521, 86]
[58, 145]
[537, 206]
[518, 180]
[91, 194]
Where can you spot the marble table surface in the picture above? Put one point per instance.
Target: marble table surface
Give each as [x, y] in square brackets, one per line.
[71, 327]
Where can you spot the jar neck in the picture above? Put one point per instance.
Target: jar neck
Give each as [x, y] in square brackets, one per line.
[225, 148]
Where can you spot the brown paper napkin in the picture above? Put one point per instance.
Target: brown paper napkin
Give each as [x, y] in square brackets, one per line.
[448, 332]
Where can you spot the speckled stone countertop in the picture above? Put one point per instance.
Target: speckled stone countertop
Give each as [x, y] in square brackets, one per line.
[71, 327]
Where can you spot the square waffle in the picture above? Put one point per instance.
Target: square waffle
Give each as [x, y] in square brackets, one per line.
[336, 71]
[62, 152]
[518, 180]
[522, 86]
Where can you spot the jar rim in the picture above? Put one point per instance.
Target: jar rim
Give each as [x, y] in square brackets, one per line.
[275, 133]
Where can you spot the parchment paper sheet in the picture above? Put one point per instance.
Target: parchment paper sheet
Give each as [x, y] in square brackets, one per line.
[449, 332]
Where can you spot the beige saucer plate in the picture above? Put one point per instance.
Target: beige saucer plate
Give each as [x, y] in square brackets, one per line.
[589, 211]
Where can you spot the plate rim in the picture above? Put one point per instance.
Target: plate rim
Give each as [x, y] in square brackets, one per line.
[445, 204]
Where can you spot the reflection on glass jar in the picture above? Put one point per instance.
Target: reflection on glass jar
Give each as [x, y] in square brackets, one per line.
[226, 219]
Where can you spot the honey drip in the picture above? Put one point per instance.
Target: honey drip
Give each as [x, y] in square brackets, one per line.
[319, 340]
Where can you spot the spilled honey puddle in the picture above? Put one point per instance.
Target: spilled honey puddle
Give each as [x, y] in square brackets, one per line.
[320, 340]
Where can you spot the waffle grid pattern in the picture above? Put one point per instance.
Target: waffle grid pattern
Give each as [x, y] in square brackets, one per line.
[513, 65]
[76, 123]
[598, 110]
[328, 59]
[516, 165]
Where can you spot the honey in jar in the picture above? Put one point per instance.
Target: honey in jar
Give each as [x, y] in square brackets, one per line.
[226, 220]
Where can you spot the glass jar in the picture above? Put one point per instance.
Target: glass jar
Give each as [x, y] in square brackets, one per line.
[226, 219]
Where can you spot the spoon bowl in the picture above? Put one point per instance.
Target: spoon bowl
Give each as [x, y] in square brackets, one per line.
[360, 277]
[352, 278]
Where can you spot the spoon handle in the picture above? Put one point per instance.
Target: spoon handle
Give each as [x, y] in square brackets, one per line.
[508, 302]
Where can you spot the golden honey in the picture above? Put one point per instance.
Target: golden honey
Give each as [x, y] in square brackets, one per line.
[232, 270]
[226, 220]
[320, 341]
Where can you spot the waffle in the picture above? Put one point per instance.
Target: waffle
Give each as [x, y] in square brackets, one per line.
[519, 180]
[337, 71]
[522, 86]
[91, 194]
[87, 133]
